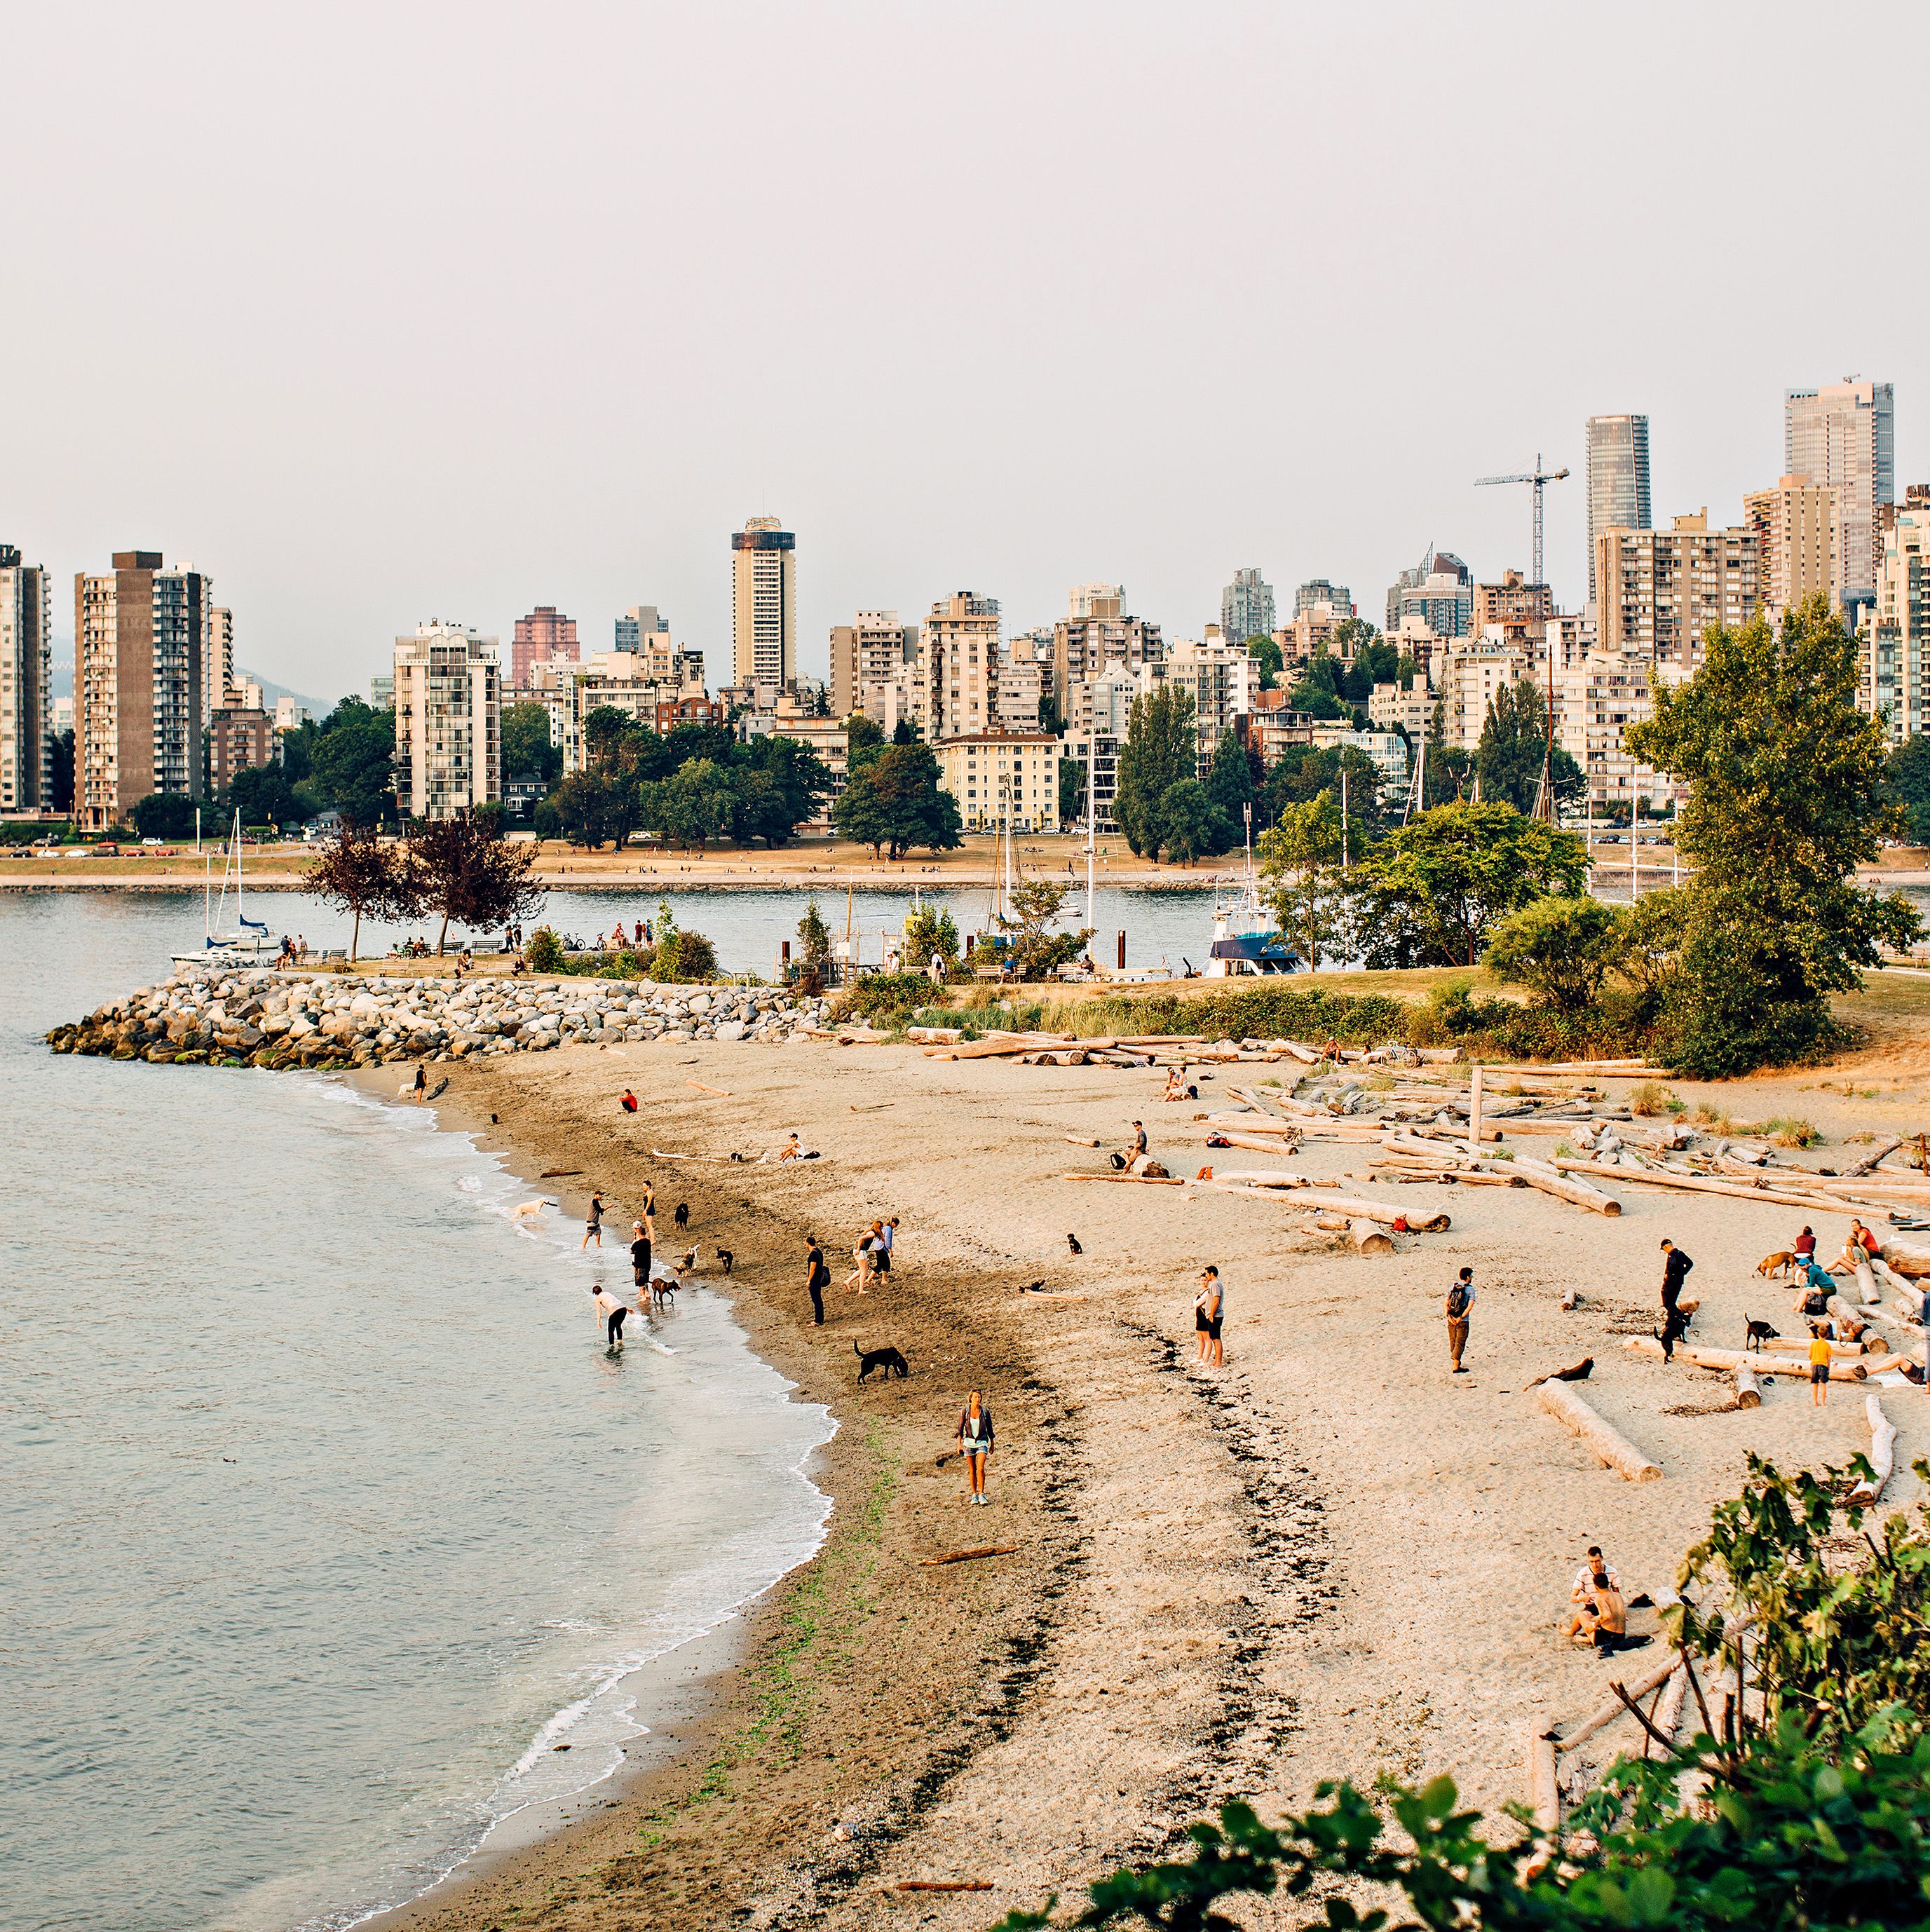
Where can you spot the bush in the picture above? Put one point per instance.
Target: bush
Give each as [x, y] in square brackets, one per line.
[1560, 948]
[542, 951]
[1651, 1097]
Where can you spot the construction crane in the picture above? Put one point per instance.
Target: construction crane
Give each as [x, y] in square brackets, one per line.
[1538, 477]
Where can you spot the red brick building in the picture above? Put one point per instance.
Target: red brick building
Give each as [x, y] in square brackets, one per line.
[543, 634]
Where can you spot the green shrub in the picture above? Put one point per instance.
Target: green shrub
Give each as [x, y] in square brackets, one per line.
[1561, 948]
[543, 951]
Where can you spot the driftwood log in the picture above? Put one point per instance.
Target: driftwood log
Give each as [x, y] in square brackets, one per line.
[1883, 1451]
[1732, 1359]
[1551, 1181]
[1748, 1391]
[1544, 1790]
[969, 1555]
[1605, 1442]
[1697, 1183]
[1369, 1238]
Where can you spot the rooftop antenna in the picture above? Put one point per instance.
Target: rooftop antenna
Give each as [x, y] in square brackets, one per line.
[1538, 477]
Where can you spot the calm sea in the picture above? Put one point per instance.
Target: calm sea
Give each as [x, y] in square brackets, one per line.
[326, 1513]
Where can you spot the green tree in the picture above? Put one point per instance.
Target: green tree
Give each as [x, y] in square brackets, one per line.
[262, 794]
[1051, 721]
[1317, 691]
[167, 815]
[1191, 826]
[1436, 885]
[813, 946]
[1787, 799]
[863, 739]
[1266, 654]
[1035, 952]
[1513, 747]
[1158, 753]
[60, 745]
[465, 869]
[905, 732]
[801, 778]
[1229, 780]
[1906, 783]
[1304, 773]
[930, 930]
[1300, 859]
[896, 802]
[1561, 949]
[527, 751]
[1072, 790]
[689, 807]
[352, 762]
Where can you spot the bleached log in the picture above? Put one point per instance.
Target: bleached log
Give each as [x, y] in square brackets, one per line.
[1252, 1143]
[1695, 1183]
[1369, 1238]
[1883, 1451]
[1732, 1359]
[1551, 1181]
[1906, 1258]
[1798, 1344]
[1866, 1285]
[1474, 1110]
[1544, 1790]
[1668, 1719]
[1601, 1437]
[1355, 1208]
[1571, 1297]
[1908, 1306]
[1082, 1140]
[1390, 1169]
[1748, 1391]
[1868, 1163]
[1887, 1275]
[1600, 1719]
[1263, 1177]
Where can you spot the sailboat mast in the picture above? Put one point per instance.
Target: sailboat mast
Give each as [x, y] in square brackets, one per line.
[1091, 795]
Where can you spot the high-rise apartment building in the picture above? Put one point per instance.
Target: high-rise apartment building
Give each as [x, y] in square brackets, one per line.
[1893, 657]
[240, 737]
[1246, 607]
[1081, 599]
[1618, 479]
[638, 625]
[1657, 592]
[217, 659]
[867, 654]
[543, 637]
[1844, 436]
[1317, 591]
[1795, 541]
[958, 655]
[1107, 637]
[1220, 677]
[1436, 594]
[1513, 611]
[763, 607]
[448, 721]
[139, 634]
[26, 678]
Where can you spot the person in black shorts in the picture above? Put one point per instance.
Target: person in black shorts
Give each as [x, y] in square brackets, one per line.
[592, 1226]
[817, 1278]
[612, 1312]
[640, 1260]
[1209, 1310]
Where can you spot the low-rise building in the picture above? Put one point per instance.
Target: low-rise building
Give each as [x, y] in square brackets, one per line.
[1392, 708]
[241, 738]
[827, 736]
[1270, 726]
[1387, 749]
[1003, 778]
[1472, 671]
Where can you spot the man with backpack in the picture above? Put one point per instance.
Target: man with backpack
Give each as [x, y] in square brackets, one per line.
[1460, 1299]
[1675, 1324]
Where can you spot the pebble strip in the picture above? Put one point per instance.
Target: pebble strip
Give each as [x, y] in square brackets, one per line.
[257, 1018]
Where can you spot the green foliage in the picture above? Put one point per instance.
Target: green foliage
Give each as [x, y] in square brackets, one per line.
[357, 873]
[1034, 952]
[1907, 784]
[60, 744]
[1432, 889]
[168, 815]
[1158, 754]
[896, 802]
[1229, 782]
[930, 930]
[1318, 689]
[689, 807]
[1300, 859]
[1072, 790]
[1512, 746]
[546, 819]
[1561, 948]
[863, 739]
[465, 869]
[543, 951]
[813, 946]
[905, 732]
[527, 752]
[1789, 796]
[1266, 654]
[351, 761]
[1191, 826]
[1303, 773]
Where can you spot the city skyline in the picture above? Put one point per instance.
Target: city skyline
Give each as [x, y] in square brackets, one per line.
[374, 391]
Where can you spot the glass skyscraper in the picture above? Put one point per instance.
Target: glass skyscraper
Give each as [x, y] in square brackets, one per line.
[1618, 479]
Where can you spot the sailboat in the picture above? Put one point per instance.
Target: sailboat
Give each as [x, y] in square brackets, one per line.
[247, 943]
[1247, 937]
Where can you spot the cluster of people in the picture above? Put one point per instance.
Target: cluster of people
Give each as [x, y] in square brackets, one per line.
[1600, 1618]
[294, 951]
[870, 1264]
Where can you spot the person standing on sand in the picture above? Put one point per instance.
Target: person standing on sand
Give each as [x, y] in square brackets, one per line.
[1461, 1300]
[593, 1227]
[817, 1278]
[611, 1311]
[422, 1085]
[649, 1210]
[888, 1244]
[975, 1441]
[1209, 1310]
[640, 1260]
[1675, 1271]
[1819, 1367]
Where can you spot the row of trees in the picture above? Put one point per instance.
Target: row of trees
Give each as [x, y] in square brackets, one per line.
[686, 787]
[461, 868]
[893, 800]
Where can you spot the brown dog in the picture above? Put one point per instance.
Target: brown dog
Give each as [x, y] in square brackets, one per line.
[1782, 1262]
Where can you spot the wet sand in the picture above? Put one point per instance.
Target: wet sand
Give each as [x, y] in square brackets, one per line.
[1330, 1558]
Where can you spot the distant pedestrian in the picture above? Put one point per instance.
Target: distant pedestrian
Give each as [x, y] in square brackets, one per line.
[640, 1258]
[593, 1227]
[975, 1441]
[1459, 1305]
[1209, 1310]
[422, 1086]
[817, 1278]
[1676, 1266]
[1819, 1366]
[629, 1101]
[612, 1312]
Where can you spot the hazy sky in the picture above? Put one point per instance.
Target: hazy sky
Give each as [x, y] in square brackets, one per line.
[382, 313]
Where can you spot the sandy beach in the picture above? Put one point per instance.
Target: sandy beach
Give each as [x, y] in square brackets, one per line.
[1330, 1558]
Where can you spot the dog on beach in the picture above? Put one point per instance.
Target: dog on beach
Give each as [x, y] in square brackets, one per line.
[724, 1258]
[685, 1264]
[532, 1210]
[889, 1360]
[1072, 1242]
[1782, 1262]
[663, 1290]
[682, 1216]
[1759, 1333]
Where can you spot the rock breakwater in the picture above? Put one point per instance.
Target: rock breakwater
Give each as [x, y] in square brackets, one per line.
[254, 1017]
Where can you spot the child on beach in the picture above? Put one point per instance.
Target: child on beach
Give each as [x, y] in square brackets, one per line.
[1819, 1366]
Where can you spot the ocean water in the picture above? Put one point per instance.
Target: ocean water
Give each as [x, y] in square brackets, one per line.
[326, 1513]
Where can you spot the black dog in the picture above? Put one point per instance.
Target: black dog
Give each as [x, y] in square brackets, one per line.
[1760, 1332]
[1072, 1242]
[889, 1360]
[724, 1258]
[681, 1217]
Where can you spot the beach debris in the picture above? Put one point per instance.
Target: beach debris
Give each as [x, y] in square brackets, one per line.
[938, 1884]
[1580, 1373]
[969, 1555]
[1369, 1238]
[1883, 1452]
[1601, 1437]
[1748, 1391]
[1732, 1359]
[720, 1093]
[560, 1174]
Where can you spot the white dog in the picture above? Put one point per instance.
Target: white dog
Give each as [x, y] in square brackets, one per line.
[533, 1210]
